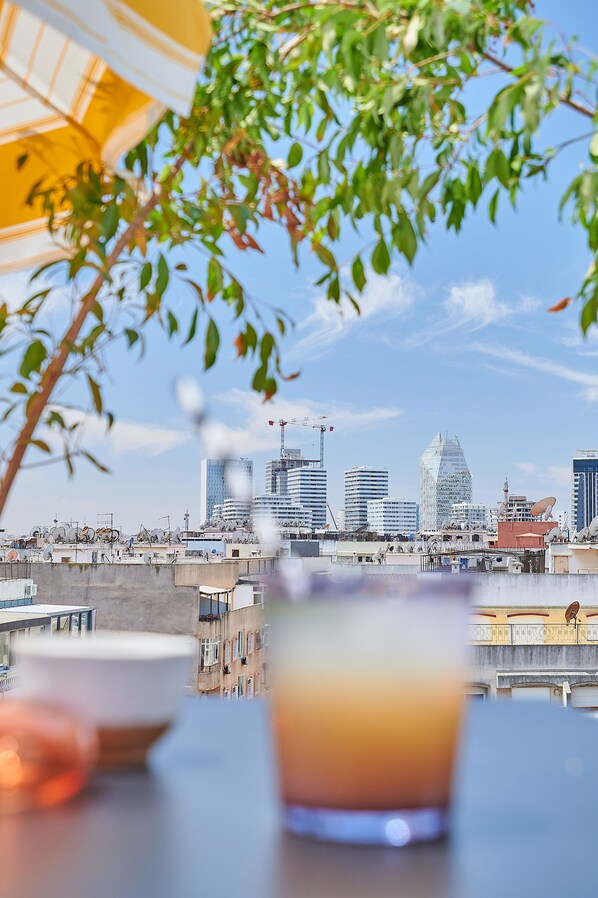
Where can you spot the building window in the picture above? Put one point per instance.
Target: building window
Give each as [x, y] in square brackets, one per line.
[256, 683]
[239, 645]
[250, 687]
[258, 640]
[235, 553]
[226, 693]
[240, 686]
[258, 594]
[250, 643]
[235, 692]
[227, 652]
[265, 635]
[209, 652]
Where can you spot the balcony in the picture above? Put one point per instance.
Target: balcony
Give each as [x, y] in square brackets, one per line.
[533, 634]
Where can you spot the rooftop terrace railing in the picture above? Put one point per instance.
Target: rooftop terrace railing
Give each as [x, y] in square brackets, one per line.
[533, 634]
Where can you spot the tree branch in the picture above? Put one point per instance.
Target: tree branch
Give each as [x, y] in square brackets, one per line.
[565, 100]
[55, 367]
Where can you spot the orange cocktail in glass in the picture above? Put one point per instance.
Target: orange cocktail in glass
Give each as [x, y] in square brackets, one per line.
[367, 695]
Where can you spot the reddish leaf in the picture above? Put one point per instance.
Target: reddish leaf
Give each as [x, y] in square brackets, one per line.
[560, 305]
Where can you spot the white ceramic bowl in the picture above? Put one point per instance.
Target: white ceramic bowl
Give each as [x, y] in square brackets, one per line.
[115, 679]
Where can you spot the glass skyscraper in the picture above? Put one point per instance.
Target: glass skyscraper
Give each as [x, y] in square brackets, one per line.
[444, 479]
[216, 478]
[584, 491]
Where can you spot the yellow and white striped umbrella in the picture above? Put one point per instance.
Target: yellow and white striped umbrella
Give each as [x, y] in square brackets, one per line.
[84, 79]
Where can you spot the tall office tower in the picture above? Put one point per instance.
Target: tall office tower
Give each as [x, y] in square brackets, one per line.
[307, 487]
[584, 488]
[392, 516]
[444, 479]
[361, 485]
[218, 483]
[277, 471]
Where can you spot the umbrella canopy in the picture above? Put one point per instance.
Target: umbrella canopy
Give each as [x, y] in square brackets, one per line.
[84, 79]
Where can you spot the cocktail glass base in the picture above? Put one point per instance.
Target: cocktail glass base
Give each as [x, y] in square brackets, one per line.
[394, 828]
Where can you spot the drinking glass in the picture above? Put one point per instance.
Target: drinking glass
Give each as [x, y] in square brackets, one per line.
[367, 693]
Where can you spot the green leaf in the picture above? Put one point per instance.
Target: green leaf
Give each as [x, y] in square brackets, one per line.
[266, 347]
[594, 147]
[212, 344]
[295, 155]
[192, 327]
[96, 394]
[34, 357]
[94, 461]
[407, 241]
[215, 278]
[22, 159]
[381, 258]
[492, 206]
[41, 445]
[110, 220]
[131, 335]
[173, 324]
[163, 275]
[145, 276]
[18, 388]
[357, 270]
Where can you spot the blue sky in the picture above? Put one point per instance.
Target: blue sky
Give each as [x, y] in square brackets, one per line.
[460, 342]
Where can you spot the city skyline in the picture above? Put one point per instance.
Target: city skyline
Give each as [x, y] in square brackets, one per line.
[468, 320]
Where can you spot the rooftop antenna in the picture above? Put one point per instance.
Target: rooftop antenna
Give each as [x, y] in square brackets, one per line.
[186, 519]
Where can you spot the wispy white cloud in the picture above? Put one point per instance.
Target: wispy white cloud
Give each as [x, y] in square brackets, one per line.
[125, 436]
[471, 306]
[253, 434]
[474, 305]
[383, 299]
[557, 475]
[589, 382]
[528, 467]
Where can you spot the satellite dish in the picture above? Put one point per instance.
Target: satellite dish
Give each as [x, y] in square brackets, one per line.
[572, 612]
[543, 507]
[148, 557]
[553, 534]
[159, 534]
[59, 533]
[25, 555]
[593, 526]
[72, 534]
[583, 533]
[35, 531]
[12, 555]
[47, 556]
[177, 535]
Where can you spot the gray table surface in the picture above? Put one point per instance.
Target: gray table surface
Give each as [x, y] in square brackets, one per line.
[203, 821]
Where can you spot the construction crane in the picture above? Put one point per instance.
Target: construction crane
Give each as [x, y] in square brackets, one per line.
[305, 422]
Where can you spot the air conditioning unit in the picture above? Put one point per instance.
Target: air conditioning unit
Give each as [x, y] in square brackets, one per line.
[226, 669]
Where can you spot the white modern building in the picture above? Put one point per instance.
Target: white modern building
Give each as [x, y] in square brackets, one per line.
[224, 479]
[584, 488]
[281, 510]
[238, 510]
[519, 508]
[277, 470]
[307, 487]
[444, 479]
[468, 514]
[392, 516]
[362, 484]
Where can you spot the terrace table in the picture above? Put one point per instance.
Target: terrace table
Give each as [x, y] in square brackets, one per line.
[202, 821]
